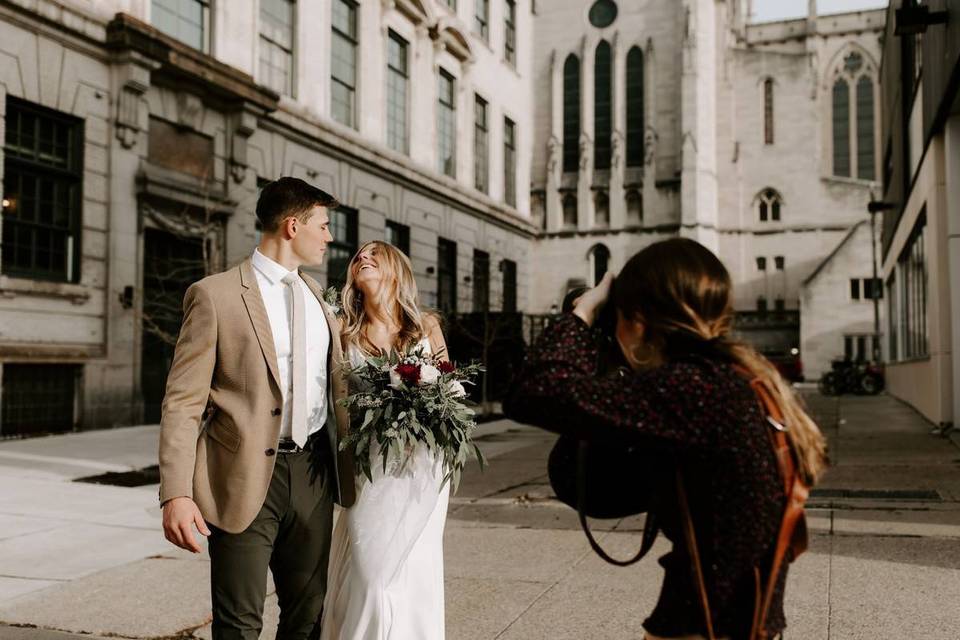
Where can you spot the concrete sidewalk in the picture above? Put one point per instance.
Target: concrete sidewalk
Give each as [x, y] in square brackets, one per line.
[884, 559]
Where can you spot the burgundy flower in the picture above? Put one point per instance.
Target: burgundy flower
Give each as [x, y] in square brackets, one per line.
[409, 373]
[446, 367]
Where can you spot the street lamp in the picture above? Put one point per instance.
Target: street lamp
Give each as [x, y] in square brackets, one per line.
[874, 207]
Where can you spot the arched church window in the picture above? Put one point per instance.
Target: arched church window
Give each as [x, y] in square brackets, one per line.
[866, 162]
[853, 103]
[634, 207]
[571, 113]
[768, 111]
[603, 105]
[602, 209]
[635, 107]
[599, 257]
[769, 205]
[569, 211]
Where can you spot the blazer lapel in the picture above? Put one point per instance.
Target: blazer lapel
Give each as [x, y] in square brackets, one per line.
[258, 316]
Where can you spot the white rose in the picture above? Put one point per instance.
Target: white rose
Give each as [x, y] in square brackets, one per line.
[457, 390]
[429, 374]
[395, 381]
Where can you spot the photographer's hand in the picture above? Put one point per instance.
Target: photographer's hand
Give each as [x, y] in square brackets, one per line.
[588, 306]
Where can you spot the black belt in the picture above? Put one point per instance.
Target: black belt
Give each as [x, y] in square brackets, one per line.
[287, 445]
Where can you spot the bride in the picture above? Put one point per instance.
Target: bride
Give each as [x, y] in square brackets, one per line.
[386, 557]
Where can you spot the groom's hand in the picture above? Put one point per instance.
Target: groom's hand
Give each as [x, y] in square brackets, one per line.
[179, 516]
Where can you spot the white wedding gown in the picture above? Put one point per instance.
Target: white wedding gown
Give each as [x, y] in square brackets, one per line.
[385, 580]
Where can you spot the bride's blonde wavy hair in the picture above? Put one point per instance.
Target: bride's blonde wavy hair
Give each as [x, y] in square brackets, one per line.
[681, 292]
[397, 296]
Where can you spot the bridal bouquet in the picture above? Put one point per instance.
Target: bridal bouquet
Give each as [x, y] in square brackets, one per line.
[410, 399]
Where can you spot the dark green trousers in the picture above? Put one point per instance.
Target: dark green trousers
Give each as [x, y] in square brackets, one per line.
[291, 536]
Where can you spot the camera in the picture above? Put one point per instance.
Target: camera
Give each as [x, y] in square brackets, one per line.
[611, 360]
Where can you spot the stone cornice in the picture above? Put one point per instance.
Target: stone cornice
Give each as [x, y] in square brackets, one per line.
[186, 68]
[311, 132]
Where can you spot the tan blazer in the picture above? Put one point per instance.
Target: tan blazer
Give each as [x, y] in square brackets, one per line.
[225, 356]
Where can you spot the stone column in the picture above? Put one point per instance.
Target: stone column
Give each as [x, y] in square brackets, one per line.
[131, 81]
[618, 205]
[698, 190]
[585, 208]
[554, 150]
[952, 170]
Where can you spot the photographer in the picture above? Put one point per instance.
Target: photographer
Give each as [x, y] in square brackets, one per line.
[688, 400]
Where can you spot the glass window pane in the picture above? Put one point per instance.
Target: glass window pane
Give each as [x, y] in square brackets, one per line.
[865, 139]
[841, 128]
[635, 107]
[603, 106]
[446, 131]
[509, 163]
[571, 113]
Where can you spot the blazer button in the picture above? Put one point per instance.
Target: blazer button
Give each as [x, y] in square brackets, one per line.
[275, 412]
[269, 452]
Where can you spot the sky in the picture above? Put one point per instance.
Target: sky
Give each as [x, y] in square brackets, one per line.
[767, 10]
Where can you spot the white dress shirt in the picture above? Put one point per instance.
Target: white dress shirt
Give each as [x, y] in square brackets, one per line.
[278, 300]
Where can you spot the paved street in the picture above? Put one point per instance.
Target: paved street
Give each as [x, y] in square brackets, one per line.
[884, 562]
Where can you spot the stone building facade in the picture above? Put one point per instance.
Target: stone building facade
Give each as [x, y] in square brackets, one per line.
[137, 133]
[759, 140]
[921, 208]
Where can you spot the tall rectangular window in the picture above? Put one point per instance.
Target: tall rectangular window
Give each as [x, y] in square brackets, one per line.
[481, 155]
[399, 236]
[768, 111]
[481, 18]
[509, 162]
[893, 317]
[779, 263]
[841, 128]
[186, 20]
[446, 276]
[38, 398]
[398, 79]
[866, 160]
[481, 280]
[42, 190]
[343, 228]
[509, 271]
[343, 61]
[447, 121]
[510, 33]
[276, 45]
[912, 273]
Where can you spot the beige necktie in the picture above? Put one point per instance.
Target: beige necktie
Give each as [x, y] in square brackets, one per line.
[298, 355]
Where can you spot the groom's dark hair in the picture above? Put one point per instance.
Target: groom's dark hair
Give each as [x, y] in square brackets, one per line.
[286, 197]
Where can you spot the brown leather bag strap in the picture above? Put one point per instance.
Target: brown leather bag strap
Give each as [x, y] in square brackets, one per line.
[697, 568]
[791, 534]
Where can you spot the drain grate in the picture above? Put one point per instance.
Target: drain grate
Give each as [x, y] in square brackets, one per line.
[879, 494]
[135, 478]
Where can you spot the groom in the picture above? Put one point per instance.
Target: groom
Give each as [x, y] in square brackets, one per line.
[250, 427]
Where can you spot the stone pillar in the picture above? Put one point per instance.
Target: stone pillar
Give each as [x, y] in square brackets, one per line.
[371, 66]
[553, 205]
[698, 189]
[952, 170]
[131, 81]
[585, 209]
[618, 205]
[423, 107]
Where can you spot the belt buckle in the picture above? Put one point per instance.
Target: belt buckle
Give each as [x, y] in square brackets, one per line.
[288, 446]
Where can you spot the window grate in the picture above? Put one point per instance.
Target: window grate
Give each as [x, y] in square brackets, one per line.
[38, 398]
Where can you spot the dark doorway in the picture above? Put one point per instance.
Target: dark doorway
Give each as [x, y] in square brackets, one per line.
[171, 263]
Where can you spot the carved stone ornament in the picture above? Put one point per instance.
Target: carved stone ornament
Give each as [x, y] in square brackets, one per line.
[650, 138]
[134, 83]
